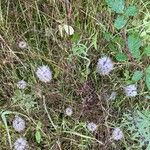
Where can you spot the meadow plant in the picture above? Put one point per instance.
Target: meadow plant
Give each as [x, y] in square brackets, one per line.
[117, 134]
[21, 84]
[22, 44]
[21, 144]
[104, 65]
[18, 124]
[130, 90]
[91, 126]
[68, 111]
[44, 73]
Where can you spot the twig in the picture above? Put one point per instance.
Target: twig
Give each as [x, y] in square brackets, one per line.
[49, 117]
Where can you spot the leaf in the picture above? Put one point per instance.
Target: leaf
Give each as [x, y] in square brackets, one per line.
[38, 136]
[137, 76]
[134, 44]
[120, 22]
[148, 78]
[107, 36]
[121, 57]
[131, 11]
[94, 40]
[116, 5]
[69, 30]
[147, 51]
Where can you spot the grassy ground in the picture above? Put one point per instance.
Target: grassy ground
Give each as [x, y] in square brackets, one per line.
[75, 81]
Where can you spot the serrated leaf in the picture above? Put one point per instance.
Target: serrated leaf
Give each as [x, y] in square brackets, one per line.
[147, 51]
[121, 57]
[137, 75]
[131, 11]
[107, 36]
[134, 45]
[148, 78]
[38, 136]
[120, 22]
[116, 5]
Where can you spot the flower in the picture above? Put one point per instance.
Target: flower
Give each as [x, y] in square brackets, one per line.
[44, 73]
[104, 65]
[21, 84]
[91, 126]
[22, 45]
[68, 111]
[117, 134]
[21, 144]
[131, 90]
[18, 124]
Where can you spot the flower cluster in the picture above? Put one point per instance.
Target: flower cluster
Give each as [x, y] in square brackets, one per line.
[44, 73]
[131, 90]
[21, 84]
[104, 65]
[21, 144]
[18, 124]
[22, 45]
[117, 134]
[68, 111]
[91, 126]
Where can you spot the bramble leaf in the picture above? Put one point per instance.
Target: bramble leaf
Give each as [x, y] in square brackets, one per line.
[116, 5]
[134, 45]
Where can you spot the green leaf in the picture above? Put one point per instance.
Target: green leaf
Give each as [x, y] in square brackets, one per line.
[148, 78]
[147, 51]
[134, 45]
[120, 22]
[116, 5]
[107, 36]
[112, 47]
[131, 11]
[137, 75]
[38, 136]
[94, 40]
[121, 57]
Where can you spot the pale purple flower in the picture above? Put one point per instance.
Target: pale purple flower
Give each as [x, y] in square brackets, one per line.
[68, 111]
[104, 65]
[131, 90]
[21, 84]
[18, 124]
[91, 126]
[117, 134]
[21, 144]
[22, 45]
[44, 73]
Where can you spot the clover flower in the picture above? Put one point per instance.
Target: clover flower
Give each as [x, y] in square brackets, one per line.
[91, 126]
[18, 124]
[117, 134]
[21, 84]
[22, 45]
[44, 73]
[68, 111]
[104, 65]
[21, 144]
[131, 90]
